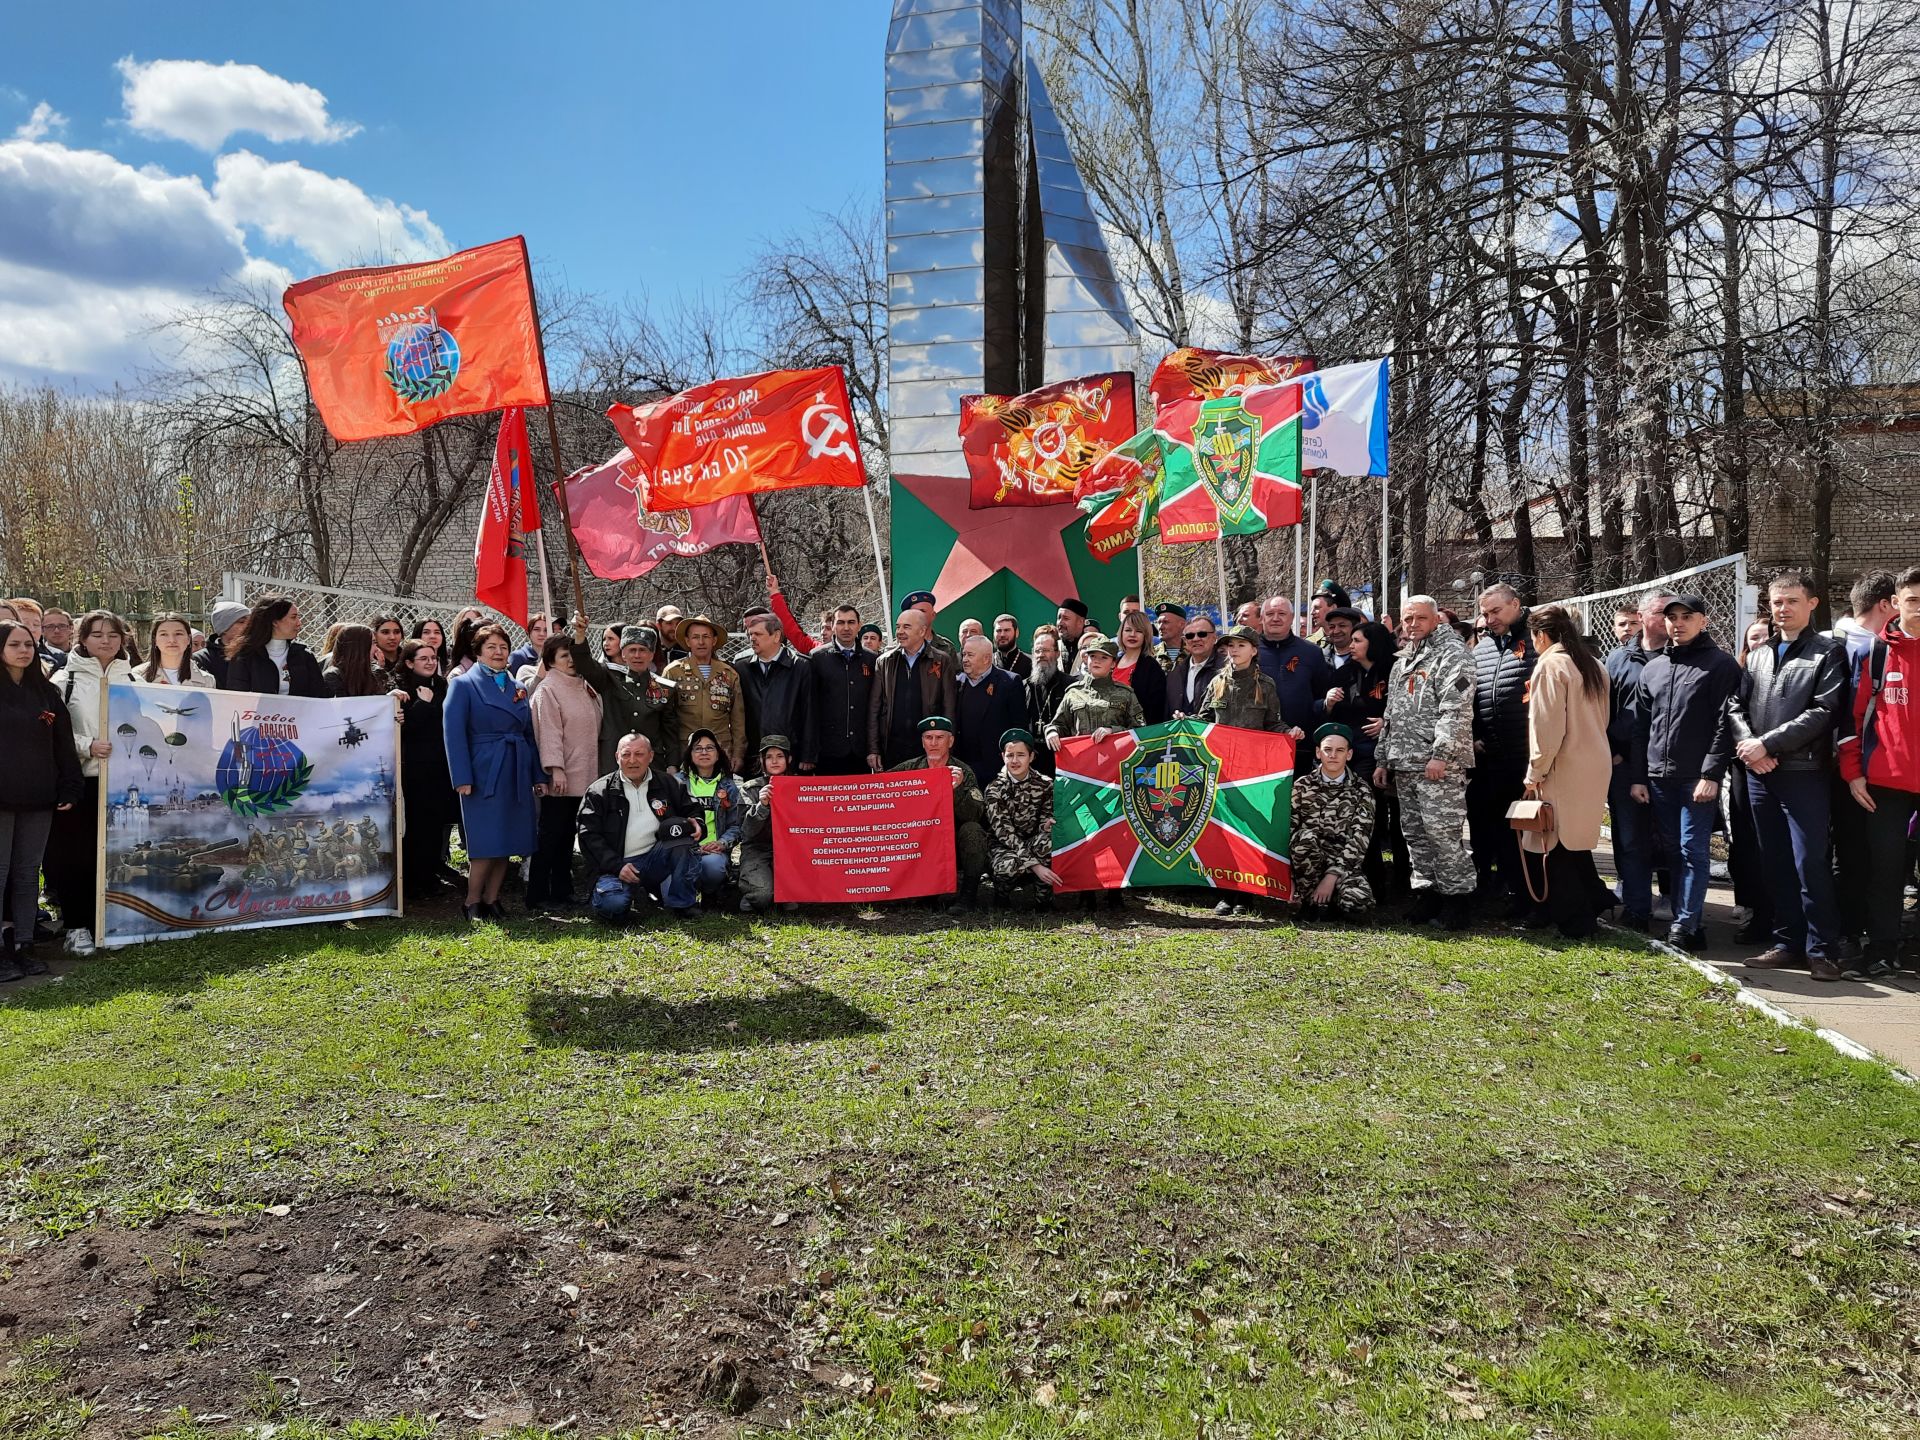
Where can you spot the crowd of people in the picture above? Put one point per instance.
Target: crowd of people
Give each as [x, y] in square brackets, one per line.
[1464, 765]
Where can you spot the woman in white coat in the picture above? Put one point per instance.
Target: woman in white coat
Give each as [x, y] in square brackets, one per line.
[170, 655]
[103, 654]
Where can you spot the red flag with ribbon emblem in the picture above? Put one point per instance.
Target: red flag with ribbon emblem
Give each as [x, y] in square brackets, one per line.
[748, 436]
[620, 539]
[1032, 449]
[500, 549]
[1198, 375]
[391, 349]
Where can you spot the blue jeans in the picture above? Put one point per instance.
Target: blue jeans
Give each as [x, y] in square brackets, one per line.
[670, 869]
[1632, 844]
[1790, 815]
[1686, 826]
[711, 871]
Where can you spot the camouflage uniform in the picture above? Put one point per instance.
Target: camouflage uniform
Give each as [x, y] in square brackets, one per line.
[710, 702]
[970, 848]
[1430, 717]
[1244, 698]
[1332, 827]
[756, 842]
[1091, 705]
[1020, 820]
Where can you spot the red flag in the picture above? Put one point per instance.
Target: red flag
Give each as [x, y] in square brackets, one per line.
[1031, 449]
[620, 539]
[1190, 374]
[751, 436]
[500, 549]
[392, 349]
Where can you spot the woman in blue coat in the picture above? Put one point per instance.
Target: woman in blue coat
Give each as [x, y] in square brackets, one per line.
[495, 766]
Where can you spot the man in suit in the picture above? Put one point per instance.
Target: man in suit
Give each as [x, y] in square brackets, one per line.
[988, 702]
[839, 689]
[1189, 676]
[912, 681]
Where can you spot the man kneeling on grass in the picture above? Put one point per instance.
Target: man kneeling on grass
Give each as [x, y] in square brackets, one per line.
[637, 830]
[1332, 822]
[1020, 822]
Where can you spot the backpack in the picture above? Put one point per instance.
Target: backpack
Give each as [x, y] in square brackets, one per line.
[1877, 673]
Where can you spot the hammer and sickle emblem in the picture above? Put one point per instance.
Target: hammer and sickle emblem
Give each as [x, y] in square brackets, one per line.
[826, 431]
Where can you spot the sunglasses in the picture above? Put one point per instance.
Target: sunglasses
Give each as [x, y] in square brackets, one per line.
[1196, 635]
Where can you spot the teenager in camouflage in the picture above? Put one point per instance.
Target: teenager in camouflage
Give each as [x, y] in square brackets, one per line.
[1020, 824]
[1242, 694]
[1096, 703]
[1332, 824]
[1426, 749]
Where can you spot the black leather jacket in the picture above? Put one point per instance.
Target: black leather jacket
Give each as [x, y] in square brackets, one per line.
[1793, 703]
[603, 816]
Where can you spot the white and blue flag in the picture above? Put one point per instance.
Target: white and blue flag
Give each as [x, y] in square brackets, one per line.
[1343, 419]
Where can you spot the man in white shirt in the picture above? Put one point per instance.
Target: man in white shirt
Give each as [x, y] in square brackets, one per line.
[631, 825]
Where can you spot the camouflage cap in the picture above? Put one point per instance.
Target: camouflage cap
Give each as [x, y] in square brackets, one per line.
[1242, 632]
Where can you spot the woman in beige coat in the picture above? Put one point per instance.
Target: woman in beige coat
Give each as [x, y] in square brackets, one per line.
[566, 727]
[1568, 765]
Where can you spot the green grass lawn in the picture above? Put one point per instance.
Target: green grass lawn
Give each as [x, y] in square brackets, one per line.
[1162, 1180]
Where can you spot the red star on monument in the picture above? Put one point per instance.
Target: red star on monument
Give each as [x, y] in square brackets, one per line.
[1022, 538]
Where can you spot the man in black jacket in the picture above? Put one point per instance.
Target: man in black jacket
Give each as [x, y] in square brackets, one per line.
[1784, 718]
[1631, 820]
[775, 684]
[987, 703]
[1007, 653]
[627, 835]
[1045, 686]
[1200, 660]
[1681, 750]
[1502, 665]
[839, 686]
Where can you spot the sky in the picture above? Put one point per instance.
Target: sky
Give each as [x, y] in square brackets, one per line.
[151, 153]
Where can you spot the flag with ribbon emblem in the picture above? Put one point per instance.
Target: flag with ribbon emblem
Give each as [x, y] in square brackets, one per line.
[621, 539]
[1032, 449]
[1194, 374]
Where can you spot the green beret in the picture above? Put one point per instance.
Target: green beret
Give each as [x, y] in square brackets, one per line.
[1325, 730]
[936, 722]
[776, 742]
[1025, 737]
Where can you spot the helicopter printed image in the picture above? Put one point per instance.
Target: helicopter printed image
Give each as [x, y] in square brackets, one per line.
[217, 817]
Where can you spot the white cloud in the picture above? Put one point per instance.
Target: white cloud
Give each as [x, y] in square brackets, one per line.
[203, 103]
[86, 214]
[331, 219]
[42, 123]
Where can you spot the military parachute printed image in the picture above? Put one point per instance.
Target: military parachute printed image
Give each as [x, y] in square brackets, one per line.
[227, 811]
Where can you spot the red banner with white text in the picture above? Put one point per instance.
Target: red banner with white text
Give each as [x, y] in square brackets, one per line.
[862, 839]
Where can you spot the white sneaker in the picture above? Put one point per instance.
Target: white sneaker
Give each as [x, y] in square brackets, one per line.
[79, 942]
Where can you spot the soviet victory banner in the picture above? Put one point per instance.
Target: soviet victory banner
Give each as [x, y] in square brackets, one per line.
[1032, 449]
[392, 349]
[1184, 803]
[621, 539]
[749, 436]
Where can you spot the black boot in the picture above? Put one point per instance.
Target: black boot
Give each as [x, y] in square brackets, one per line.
[1426, 905]
[9, 967]
[1456, 912]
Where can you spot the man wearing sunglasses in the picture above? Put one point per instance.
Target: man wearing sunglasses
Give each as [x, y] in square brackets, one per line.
[1199, 662]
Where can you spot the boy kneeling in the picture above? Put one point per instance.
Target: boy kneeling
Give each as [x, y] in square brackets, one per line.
[1332, 823]
[1020, 822]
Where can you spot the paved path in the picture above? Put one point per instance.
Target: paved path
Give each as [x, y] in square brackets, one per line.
[1883, 1015]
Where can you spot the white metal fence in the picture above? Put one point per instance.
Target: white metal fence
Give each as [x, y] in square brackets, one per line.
[1721, 583]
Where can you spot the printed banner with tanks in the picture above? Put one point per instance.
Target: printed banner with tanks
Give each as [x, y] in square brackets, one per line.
[227, 811]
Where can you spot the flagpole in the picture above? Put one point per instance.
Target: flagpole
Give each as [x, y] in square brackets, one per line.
[1220, 565]
[553, 436]
[879, 564]
[1140, 567]
[546, 586]
[1313, 528]
[1386, 522]
[1299, 545]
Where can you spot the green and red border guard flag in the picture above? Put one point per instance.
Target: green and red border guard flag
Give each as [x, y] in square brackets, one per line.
[1231, 465]
[1182, 803]
[391, 349]
[511, 511]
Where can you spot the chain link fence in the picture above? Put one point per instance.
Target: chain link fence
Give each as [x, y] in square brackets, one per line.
[1721, 583]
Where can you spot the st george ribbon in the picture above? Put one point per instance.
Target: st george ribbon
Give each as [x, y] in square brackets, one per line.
[998, 283]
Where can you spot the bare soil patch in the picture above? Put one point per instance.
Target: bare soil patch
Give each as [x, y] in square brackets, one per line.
[363, 1306]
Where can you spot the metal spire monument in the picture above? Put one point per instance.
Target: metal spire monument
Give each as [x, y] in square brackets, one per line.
[998, 281]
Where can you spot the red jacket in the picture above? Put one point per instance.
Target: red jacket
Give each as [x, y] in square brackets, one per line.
[1892, 748]
[797, 635]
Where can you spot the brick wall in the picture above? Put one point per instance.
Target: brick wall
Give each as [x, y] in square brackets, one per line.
[1876, 508]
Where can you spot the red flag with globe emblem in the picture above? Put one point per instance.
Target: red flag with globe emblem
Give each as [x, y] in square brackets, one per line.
[747, 436]
[1184, 803]
[391, 349]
